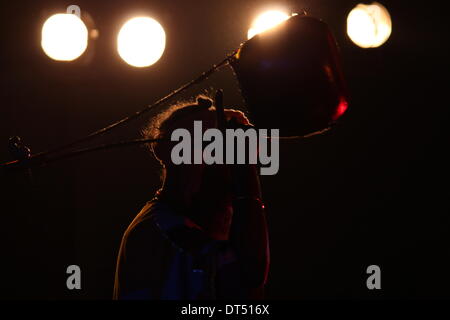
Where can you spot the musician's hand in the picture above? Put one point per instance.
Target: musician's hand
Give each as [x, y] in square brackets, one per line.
[245, 176]
[237, 117]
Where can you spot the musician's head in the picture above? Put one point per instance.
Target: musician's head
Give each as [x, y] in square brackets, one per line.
[178, 116]
[190, 183]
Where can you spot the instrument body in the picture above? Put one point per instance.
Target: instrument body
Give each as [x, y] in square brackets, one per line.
[291, 77]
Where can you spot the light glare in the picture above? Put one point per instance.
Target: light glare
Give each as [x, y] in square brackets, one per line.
[369, 26]
[141, 42]
[266, 21]
[64, 37]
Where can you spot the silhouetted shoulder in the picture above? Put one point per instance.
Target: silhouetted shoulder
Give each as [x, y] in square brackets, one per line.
[144, 257]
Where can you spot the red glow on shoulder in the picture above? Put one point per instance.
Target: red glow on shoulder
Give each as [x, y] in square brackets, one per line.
[342, 107]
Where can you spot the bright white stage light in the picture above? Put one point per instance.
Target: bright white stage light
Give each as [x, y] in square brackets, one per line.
[369, 26]
[64, 37]
[141, 42]
[266, 21]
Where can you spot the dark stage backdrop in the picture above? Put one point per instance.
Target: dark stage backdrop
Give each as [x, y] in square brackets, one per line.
[373, 191]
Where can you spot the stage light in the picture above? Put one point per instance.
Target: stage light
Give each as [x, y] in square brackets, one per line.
[141, 42]
[64, 37]
[266, 21]
[369, 26]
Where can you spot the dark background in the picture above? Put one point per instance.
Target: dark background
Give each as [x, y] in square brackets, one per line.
[373, 191]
